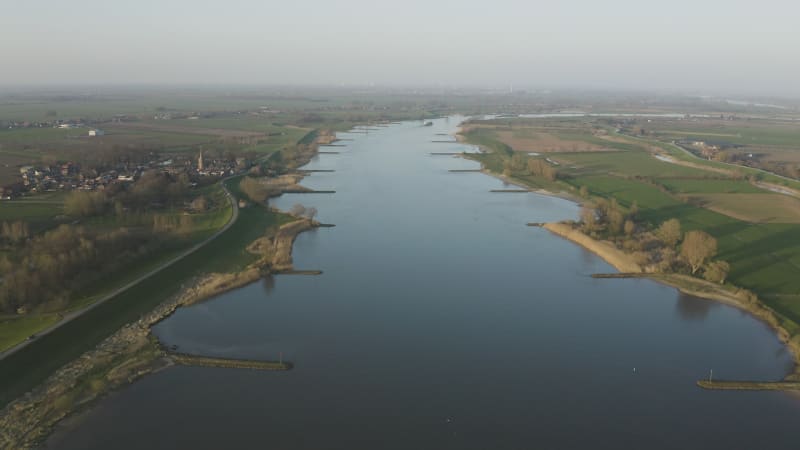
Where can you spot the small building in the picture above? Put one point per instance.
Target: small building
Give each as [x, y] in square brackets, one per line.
[96, 132]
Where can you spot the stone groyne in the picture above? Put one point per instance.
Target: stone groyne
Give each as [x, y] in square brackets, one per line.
[739, 298]
[131, 352]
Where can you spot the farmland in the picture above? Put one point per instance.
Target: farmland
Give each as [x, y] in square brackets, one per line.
[773, 145]
[760, 208]
[758, 231]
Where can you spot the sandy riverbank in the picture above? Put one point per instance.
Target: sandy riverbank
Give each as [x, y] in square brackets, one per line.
[739, 298]
[606, 250]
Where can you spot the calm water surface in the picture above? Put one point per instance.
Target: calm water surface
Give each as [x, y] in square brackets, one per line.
[443, 322]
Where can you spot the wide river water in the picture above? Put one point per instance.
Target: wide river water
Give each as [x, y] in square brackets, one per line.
[443, 322]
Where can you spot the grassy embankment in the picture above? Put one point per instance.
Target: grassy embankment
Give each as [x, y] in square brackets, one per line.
[132, 352]
[764, 257]
[27, 368]
[44, 212]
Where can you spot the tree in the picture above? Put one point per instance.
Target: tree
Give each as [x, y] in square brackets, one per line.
[254, 190]
[717, 271]
[84, 204]
[507, 169]
[310, 213]
[518, 162]
[698, 247]
[297, 210]
[15, 232]
[588, 218]
[634, 210]
[630, 227]
[669, 232]
[539, 168]
[601, 209]
[200, 203]
[616, 220]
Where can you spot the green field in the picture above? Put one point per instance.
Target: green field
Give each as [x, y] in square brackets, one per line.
[14, 330]
[748, 133]
[764, 258]
[688, 186]
[38, 212]
[625, 163]
[683, 155]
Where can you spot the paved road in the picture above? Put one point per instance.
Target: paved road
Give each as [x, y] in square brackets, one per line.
[75, 314]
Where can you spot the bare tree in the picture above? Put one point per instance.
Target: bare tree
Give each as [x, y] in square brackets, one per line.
[616, 220]
[310, 213]
[253, 189]
[630, 227]
[588, 218]
[669, 232]
[297, 210]
[717, 271]
[200, 203]
[698, 248]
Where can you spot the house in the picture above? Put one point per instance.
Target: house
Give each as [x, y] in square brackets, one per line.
[96, 132]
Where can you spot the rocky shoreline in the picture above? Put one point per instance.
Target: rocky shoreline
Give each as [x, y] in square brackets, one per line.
[128, 354]
[133, 352]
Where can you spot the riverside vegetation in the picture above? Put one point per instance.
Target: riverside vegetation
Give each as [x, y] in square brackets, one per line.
[123, 234]
[132, 352]
[639, 212]
[56, 373]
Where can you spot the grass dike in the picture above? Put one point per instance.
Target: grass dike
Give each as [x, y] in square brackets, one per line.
[133, 352]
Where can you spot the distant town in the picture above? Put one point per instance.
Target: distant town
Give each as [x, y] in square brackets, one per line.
[69, 176]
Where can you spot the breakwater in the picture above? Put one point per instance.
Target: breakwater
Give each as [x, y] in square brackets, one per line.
[228, 363]
[749, 385]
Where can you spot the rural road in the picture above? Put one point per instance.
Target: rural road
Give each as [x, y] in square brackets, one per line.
[75, 314]
[693, 156]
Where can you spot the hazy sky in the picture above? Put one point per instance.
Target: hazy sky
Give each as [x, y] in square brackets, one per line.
[735, 45]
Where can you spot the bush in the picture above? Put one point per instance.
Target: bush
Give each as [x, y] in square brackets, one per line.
[85, 204]
[254, 190]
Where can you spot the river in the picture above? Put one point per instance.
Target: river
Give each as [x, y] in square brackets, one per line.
[441, 321]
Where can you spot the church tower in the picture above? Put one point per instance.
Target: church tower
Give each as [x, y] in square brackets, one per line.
[200, 161]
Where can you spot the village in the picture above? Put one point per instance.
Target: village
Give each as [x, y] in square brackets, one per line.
[66, 176]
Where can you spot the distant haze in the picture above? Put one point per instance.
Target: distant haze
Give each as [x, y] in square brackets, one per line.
[715, 46]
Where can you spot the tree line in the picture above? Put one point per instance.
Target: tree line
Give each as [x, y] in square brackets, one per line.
[47, 269]
[665, 249]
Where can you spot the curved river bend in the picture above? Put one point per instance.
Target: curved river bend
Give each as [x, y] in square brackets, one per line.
[443, 322]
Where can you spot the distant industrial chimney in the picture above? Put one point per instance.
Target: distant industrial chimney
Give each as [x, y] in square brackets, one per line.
[200, 161]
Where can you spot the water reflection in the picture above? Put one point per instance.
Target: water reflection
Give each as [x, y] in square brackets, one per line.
[268, 283]
[437, 303]
[693, 308]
